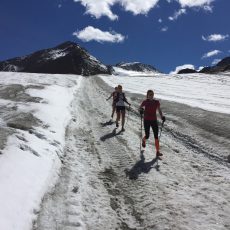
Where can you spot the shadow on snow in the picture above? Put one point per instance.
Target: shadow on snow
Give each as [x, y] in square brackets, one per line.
[110, 135]
[141, 167]
[110, 122]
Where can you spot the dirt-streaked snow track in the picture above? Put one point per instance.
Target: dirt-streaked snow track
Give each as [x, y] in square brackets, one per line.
[106, 184]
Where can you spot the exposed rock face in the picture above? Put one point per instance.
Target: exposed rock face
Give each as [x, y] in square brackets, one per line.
[223, 65]
[224, 62]
[187, 70]
[67, 58]
[137, 66]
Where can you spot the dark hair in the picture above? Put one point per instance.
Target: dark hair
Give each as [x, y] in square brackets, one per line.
[119, 87]
[149, 91]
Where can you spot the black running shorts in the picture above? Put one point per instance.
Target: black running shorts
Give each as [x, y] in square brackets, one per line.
[120, 108]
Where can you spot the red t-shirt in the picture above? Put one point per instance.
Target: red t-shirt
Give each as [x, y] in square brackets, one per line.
[151, 107]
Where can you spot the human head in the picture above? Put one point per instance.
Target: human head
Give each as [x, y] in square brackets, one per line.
[116, 88]
[150, 94]
[119, 87]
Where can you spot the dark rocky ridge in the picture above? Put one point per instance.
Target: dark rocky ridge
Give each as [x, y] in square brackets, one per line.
[187, 70]
[66, 58]
[222, 66]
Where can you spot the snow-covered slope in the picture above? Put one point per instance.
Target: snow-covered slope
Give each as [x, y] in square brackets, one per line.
[107, 184]
[209, 92]
[123, 72]
[104, 182]
[35, 110]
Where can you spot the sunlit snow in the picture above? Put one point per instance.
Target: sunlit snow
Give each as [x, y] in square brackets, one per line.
[191, 188]
[209, 92]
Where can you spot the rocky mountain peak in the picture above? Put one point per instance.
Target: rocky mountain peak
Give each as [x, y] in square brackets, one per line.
[224, 62]
[66, 58]
[222, 66]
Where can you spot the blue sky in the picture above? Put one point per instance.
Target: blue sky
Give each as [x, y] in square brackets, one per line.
[163, 33]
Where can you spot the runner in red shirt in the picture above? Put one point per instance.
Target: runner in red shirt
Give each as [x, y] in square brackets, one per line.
[151, 106]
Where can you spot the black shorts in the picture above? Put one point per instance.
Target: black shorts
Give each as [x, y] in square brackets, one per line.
[120, 108]
[154, 125]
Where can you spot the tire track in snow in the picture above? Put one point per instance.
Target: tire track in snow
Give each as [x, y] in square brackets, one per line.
[130, 200]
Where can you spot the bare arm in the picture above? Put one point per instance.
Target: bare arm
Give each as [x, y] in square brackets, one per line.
[109, 97]
[141, 108]
[125, 100]
[161, 114]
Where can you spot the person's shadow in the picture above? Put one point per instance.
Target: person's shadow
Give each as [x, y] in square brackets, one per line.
[110, 135]
[141, 167]
[110, 122]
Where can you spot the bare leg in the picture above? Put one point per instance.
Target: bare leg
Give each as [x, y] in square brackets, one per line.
[113, 110]
[157, 145]
[118, 118]
[123, 118]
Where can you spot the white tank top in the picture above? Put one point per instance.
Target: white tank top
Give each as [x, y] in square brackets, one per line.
[121, 99]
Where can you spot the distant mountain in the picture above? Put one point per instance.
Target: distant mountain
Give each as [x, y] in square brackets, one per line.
[187, 70]
[137, 66]
[223, 65]
[66, 58]
[224, 62]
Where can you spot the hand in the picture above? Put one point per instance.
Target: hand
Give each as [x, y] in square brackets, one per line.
[163, 118]
[141, 111]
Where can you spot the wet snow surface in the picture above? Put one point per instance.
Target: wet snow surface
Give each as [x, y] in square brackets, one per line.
[106, 183]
